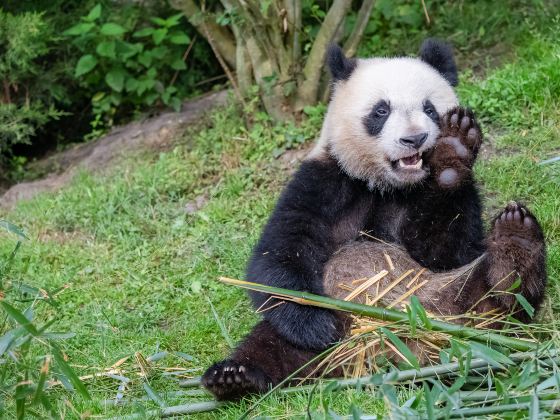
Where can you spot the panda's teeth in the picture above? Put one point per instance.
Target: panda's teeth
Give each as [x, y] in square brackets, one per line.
[417, 165]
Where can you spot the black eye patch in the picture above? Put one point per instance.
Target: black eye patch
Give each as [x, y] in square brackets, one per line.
[430, 111]
[375, 120]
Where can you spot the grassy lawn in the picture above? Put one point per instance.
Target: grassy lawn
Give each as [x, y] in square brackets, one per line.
[134, 272]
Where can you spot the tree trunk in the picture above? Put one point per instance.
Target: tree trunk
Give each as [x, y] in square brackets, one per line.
[264, 46]
[222, 37]
[307, 94]
[355, 37]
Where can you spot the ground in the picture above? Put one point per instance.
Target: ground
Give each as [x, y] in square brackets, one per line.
[133, 254]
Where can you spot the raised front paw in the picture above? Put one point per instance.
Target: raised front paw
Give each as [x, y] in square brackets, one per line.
[452, 158]
[516, 250]
[230, 380]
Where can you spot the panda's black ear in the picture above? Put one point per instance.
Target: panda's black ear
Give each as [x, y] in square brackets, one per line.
[341, 67]
[439, 55]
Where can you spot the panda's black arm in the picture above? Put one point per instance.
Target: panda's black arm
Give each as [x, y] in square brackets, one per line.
[296, 243]
[444, 229]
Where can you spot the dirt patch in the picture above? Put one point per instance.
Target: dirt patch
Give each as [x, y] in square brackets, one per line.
[153, 133]
[49, 235]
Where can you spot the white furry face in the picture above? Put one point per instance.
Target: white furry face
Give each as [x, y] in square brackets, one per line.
[384, 117]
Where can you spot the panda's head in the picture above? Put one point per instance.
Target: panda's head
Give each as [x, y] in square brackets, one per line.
[384, 113]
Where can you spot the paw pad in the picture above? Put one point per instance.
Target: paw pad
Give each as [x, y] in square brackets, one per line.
[456, 149]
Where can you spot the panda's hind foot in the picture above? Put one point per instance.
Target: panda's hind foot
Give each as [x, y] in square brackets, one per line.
[516, 227]
[456, 149]
[230, 380]
[516, 250]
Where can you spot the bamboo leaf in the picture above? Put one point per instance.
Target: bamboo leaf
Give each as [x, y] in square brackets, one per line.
[8, 339]
[401, 347]
[552, 381]
[68, 372]
[492, 356]
[414, 301]
[42, 379]
[153, 395]
[412, 318]
[525, 304]
[157, 356]
[515, 285]
[10, 227]
[223, 328]
[20, 318]
[429, 402]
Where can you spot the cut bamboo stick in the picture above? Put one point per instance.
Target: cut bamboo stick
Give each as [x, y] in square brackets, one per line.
[391, 286]
[407, 294]
[361, 288]
[386, 314]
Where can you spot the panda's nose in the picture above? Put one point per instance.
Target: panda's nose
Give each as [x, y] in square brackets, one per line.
[414, 141]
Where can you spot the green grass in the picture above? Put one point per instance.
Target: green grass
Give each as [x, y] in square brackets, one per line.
[139, 270]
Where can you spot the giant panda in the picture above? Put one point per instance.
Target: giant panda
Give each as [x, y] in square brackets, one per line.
[394, 159]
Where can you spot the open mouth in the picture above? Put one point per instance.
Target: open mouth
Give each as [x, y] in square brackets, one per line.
[413, 162]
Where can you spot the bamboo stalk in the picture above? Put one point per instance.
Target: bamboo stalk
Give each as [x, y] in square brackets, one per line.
[500, 409]
[176, 410]
[385, 314]
[191, 382]
[414, 375]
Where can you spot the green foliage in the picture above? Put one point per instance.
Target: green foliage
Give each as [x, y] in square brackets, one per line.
[516, 94]
[18, 124]
[42, 104]
[126, 67]
[25, 105]
[32, 360]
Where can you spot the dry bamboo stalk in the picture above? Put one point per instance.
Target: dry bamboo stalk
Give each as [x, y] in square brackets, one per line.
[391, 286]
[411, 282]
[359, 280]
[345, 287]
[407, 294]
[389, 261]
[359, 290]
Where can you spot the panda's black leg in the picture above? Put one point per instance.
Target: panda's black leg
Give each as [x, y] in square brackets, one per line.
[516, 250]
[261, 361]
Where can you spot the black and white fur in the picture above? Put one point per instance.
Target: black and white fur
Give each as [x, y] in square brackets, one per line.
[385, 163]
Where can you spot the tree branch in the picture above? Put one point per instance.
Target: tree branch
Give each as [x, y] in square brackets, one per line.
[351, 44]
[222, 38]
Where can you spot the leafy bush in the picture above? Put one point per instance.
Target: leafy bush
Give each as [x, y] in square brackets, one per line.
[127, 67]
[26, 102]
[42, 104]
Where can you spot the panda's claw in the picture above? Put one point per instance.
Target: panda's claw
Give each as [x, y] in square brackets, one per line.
[452, 158]
[515, 224]
[231, 380]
